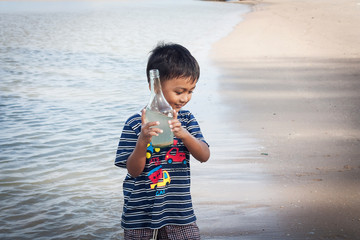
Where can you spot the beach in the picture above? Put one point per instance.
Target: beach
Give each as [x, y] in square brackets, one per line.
[277, 100]
[291, 74]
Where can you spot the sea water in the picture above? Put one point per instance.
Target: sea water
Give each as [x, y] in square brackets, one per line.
[165, 138]
[71, 73]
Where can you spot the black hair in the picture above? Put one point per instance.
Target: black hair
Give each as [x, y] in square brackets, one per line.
[173, 61]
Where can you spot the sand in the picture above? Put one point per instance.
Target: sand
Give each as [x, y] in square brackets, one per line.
[291, 74]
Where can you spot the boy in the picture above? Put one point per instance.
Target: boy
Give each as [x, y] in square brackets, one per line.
[157, 200]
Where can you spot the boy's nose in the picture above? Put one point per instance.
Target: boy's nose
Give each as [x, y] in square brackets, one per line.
[184, 99]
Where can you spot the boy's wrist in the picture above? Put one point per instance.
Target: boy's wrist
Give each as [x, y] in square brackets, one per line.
[142, 141]
[184, 135]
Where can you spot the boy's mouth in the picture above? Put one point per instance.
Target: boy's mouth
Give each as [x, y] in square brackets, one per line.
[178, 106]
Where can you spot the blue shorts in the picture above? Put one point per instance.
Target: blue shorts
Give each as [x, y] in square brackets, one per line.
[169, 232]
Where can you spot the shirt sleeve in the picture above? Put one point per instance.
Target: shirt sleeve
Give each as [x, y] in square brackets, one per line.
[128, 139]
[194, 128]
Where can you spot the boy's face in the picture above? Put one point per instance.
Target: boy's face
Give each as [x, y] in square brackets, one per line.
[178, 92]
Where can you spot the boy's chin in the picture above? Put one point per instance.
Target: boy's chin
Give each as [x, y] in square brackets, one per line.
[176, 108]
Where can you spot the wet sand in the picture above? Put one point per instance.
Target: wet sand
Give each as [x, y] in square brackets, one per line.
[291, 76]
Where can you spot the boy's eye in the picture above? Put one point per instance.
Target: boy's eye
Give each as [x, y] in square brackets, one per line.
[181, 92]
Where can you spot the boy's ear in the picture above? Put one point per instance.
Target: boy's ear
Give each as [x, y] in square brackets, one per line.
[149, 87]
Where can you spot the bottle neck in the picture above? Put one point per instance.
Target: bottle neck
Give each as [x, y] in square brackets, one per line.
[155, 83]
[157, 100]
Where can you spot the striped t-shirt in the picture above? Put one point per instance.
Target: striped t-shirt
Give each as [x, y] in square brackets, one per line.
[160, 195]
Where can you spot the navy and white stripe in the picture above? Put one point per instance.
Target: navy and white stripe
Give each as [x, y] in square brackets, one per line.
[168, 205]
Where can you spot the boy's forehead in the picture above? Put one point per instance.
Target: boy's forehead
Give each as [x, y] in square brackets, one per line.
[182, 81]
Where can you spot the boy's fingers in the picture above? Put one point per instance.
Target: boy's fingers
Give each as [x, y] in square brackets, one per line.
[151, 124]
[143, 120]
[143, 116]
[155, 131]
[174, 120]
[171, 122]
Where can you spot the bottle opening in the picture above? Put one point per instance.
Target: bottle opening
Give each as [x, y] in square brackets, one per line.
[154, 73]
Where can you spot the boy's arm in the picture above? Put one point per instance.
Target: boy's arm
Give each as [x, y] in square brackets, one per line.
[196, 147]
[136, 162]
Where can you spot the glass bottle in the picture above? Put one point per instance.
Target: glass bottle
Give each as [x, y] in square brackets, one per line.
[158, 109]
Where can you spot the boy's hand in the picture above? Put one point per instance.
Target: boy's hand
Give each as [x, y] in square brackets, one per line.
[176, 127]
[147, 132]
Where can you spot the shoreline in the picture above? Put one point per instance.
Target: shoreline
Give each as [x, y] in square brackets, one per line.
[293, 67]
